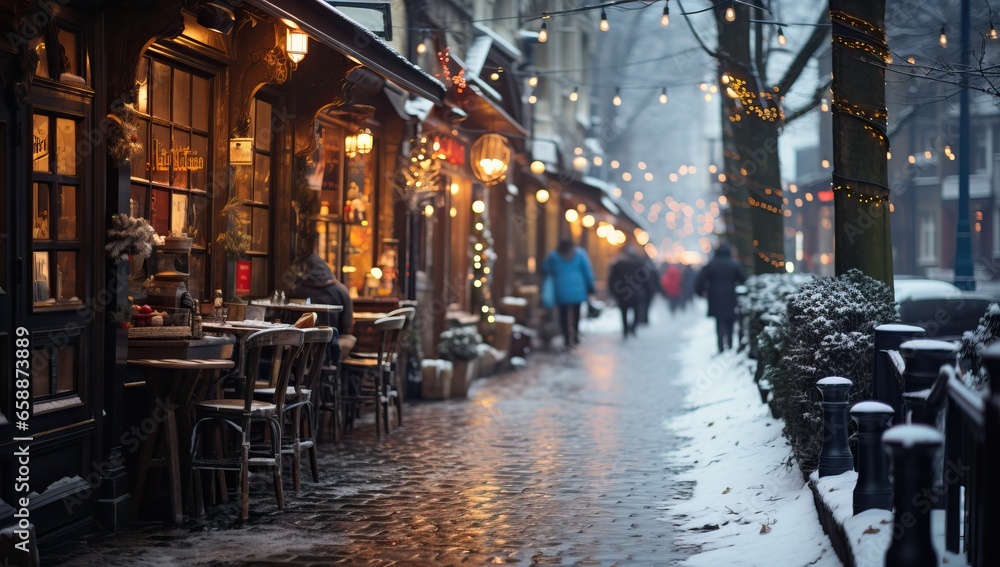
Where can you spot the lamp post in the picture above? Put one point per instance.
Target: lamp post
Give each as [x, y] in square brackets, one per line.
[964, 277]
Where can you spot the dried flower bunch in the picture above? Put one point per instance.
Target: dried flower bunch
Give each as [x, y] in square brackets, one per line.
[129, 237]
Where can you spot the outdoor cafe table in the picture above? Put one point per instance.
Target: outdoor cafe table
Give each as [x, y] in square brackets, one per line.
[172, 384]
[241, 330]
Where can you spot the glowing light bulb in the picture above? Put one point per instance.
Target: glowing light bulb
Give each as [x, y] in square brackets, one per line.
[663, 96]
[543, 34]
[542, 196]
[823, 106]
[665, 18]
[421, 48]
[943, 39]
[781, 36]
[993, 32]
[617, 100]
[605, 26]
[575, 95]
[533, 81]
[730, 13]
[494, 76]
[532, 99]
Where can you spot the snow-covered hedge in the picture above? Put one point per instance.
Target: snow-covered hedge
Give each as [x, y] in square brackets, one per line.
[827, 330]
[765, 301]
[973, 345]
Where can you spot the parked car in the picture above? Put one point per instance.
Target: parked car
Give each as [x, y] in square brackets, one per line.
[941, 308]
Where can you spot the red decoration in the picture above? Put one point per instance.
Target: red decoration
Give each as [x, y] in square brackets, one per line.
[242, 277]
[453, 151]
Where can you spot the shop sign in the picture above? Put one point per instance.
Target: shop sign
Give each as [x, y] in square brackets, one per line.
[182, 159]
[242, 277]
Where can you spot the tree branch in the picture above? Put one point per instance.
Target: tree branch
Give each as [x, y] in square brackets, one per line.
[816, 98]
[798, 65]
[694, 32]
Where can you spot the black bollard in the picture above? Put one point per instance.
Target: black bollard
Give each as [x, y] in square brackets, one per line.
[912, 448]
[884, 383]
[835, 456]
[873, 489]
[924, 358]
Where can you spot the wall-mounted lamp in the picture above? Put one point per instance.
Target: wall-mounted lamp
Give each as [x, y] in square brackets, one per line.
[240, 151]
[296, 45]
[360, 142]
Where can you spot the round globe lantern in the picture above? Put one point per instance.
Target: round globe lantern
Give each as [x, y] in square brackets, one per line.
[489, 157]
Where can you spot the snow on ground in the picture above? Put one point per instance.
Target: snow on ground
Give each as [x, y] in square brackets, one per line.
[747, 507]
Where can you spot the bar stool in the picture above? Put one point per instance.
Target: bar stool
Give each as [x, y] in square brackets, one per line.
[397, 376]
[239, 415]
[171, 384]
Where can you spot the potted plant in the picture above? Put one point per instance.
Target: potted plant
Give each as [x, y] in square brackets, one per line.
[459, 345]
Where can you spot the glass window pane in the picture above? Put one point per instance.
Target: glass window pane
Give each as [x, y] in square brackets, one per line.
[258, 277]
[201, 100]
[180, 158]
[40, 142]
[42, 67]
[178, 213]
[137, 201]
[66, 277]
[66, 369]
[198, 162]
[262, 179]
[69, 53]
[41, 369]
[68, 213]
[261, 231]
[66, 146]
[161, 90]
[42, 223]
[196, 279]
[140, 164]
[40, 278]
[160, 155]
[198, 220]
[262, 125]
[243, 179]
[182, 97]
[142, 78]
[159, 211]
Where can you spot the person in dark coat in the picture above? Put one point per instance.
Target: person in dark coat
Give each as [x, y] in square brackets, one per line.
[687, 285]
[628, 284]
[717, 282]
[319, 285]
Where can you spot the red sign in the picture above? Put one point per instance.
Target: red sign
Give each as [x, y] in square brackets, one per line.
[242, 277]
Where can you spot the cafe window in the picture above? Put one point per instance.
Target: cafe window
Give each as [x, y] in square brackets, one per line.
[170, 177]
[56, 195]
[253, 183]
[61, 53]
[55, 357]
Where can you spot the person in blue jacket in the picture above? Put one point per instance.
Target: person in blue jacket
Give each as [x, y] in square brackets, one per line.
[569, 267]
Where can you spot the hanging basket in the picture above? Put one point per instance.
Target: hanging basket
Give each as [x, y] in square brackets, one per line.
[489, 158]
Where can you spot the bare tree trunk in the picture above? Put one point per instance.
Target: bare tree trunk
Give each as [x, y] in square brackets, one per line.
[860, 143]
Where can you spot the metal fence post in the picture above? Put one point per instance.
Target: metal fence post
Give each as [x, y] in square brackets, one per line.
[924, 358]
[873, 489]
[835, 456]
[912, 448]
[889, 337]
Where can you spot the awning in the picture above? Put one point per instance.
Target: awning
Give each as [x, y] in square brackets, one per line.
[331, 27]
[493, 116]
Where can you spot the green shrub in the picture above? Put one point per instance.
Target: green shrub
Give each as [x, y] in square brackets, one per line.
[827, 330]
[973, 345]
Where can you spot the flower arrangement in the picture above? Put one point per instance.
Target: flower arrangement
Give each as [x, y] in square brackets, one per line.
[235, 240]
[459, 343]
[130, 236]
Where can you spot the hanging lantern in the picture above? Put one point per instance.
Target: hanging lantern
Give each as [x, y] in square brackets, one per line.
[489, 157]
[365, 141]
[296, 44]
[351, 145]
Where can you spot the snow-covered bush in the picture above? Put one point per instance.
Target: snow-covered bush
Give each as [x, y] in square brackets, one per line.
[827, 330]
[764, 303]
[973, 345]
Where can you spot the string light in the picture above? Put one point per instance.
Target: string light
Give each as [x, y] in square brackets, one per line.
[573, 96]
[543, 34]
[665, 18]
[943, 40]
[617, 100]
[532, 99]
[533, 81]
[993, 32]
[781, 36]
[663, 96]
[605, 26]
[731, 12]
[422, 46]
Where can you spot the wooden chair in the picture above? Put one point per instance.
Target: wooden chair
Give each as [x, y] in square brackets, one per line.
[299, 429]
[398, 385]
[368, 381]
[239, 414]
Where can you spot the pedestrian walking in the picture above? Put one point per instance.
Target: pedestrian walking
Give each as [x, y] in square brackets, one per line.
[651, 287]
[573, 281]
[687, 285]
[671, 283]
[717, 282]
[628, 284]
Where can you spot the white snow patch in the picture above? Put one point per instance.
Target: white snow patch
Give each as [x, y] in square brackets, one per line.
[747, 506]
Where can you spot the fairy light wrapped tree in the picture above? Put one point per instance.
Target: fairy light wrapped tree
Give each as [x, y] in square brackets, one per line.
[489, 158]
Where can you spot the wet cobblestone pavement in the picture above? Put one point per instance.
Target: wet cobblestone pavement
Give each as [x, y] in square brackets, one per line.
[560, 463]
